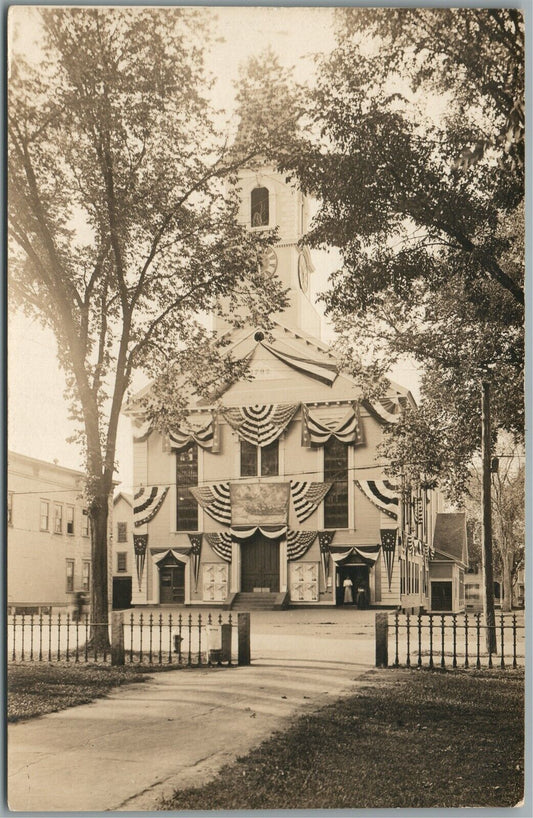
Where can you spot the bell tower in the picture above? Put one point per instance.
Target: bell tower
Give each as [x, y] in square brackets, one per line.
[268, 201]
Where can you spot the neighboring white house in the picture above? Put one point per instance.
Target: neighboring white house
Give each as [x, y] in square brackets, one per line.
[122, 555]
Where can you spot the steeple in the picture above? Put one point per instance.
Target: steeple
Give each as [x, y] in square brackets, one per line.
[268, 201]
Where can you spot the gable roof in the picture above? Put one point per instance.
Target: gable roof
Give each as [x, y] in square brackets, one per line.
[449, 538]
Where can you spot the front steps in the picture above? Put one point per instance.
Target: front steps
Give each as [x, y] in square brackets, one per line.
[259, 601]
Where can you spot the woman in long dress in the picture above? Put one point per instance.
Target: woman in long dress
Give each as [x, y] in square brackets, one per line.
[348, 591]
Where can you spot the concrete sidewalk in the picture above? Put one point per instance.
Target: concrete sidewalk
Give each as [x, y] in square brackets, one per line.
[143, 741]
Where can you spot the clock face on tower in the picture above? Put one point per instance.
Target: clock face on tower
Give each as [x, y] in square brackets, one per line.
[269, 261]
[303, 273]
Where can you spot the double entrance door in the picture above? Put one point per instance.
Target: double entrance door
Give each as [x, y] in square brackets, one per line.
[171, 581]
[259, 564]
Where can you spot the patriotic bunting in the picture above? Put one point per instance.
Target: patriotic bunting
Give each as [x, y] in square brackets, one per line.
[141, 429]
[206, 437]
[307, 496]
[317, 432]
[221, 544]
[298, 543]
[140, 544]
[196, 550]
[382, 494]
[386, 410]
[148, 501]
[260, 425]
[321, 370]
[244, 532]
[324, 540]
[215, 500]
[388, 544]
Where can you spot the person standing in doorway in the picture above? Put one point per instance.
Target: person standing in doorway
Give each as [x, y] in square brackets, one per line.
[361, 597]
[348, 591]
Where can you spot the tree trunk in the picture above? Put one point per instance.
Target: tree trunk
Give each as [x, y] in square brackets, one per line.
[99, 514]
[486, 551]
[507, 567]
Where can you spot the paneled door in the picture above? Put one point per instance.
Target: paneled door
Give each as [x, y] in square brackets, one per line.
[260, 563]
[171, 581]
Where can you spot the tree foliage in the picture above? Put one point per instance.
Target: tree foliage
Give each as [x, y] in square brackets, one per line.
[121, 214]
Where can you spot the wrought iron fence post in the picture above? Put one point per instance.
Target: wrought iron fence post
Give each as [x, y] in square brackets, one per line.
[396, 629]
[150, 633]
[86, 637]
[478, 637]
[68, 636]
[407, 624]
[419, 624]
[454, 631]
[41, 636]
[170, 638]
[77, 654]
[466, 640]
[31, 638]
[442, 661]
[189, 627]
[160, 639]
[431, 640]
[131, 637]
[199, 639]
[180, 639]
[58, 636]
[14, 656]
[230, 623]
[502, 662]
[514, 640]
[140, 639]
[22, 642]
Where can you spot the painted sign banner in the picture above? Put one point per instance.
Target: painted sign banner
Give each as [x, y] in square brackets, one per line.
[259, 503]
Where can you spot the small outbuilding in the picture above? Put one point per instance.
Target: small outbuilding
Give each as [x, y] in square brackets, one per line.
[449, 563]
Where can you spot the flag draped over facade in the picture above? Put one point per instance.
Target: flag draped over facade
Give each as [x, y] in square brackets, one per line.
[260, 425]
[221, 544]
[140, 544]
[382, 493]
[306, 497]
[206, 437]
[215, 500]
[322, 370]
[298, 543]
[316, 432]
[325, 539]
[148, 501]
[196, 550]
[388, 544]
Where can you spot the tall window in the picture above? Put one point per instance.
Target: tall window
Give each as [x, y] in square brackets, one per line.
[122, 532]
[58, 518]
[10, 508]
[259, 204]
[70, 576]
[70, 519]
[336, 472]
[86, 575]
[259, 461]
[122, 561]
[45, 515]
[186, 476]
[85, 522]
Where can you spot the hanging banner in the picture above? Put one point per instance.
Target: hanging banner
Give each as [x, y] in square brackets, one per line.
[325, 539]
[307, 496]
[260, 425]
[382, 493]
[140, 544]
[298, 543]
[316, 432]
[388, 544]
[259, 504]
[323, 371]
[206, 436]
[148, 501]
[221, 544]
[355, 554]
[215, 500]
[196, 550]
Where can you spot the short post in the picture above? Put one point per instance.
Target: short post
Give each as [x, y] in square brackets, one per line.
[243, 633]
[382, 639]
[226, 643]
[117, 638]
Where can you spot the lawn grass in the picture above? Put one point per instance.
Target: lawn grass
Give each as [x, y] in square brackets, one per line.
[33, 690]
[413, 738]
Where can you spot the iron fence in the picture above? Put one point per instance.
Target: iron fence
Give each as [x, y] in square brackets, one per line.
[152, 640]
[457, 640]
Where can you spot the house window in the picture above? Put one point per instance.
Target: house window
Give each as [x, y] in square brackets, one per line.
[336, 472]
[45, 515]
[10, 508]
[58, 519]
[122, 532]
[86, 575]
[259, 461]
[70, 519]
[85, 522]
[259, 207]
[122, 561]
[186, 475]
[70, 576]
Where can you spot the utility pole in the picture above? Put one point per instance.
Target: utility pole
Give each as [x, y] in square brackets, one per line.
[486, 528]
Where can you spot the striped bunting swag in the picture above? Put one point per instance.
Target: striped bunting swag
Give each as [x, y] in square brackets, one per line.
[148, 501]
[260, 425]
[215, 501]
[206, 438]
[307, 496]
[317, 433]
[382, 494]
[298, 543]
[386, 410]
[220, 544]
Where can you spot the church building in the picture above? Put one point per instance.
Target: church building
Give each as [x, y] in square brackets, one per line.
[274, 496]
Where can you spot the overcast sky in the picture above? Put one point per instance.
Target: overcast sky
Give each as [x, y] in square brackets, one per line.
[38, 415]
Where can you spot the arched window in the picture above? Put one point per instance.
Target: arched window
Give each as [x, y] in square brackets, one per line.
[259, 202]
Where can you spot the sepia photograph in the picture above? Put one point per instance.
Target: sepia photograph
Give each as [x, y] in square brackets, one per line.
[266, 415]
